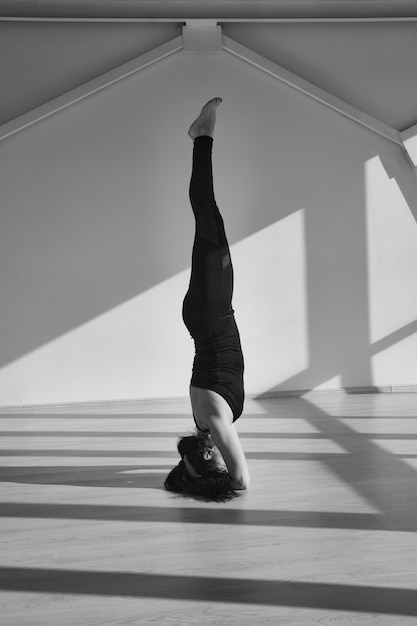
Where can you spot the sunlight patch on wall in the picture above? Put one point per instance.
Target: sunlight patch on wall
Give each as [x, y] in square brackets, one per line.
[270, 302]
[397, 365]
[332, 383]
[392, 263]
[141, 349]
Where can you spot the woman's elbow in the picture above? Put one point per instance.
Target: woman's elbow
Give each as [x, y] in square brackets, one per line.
[241, 484]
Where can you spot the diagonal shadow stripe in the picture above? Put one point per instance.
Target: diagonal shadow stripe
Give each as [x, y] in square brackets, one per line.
[393, 338]
[60, 434]
[363, 599]
[192, 515]
[119, 434]
[54, 413]
[137, 476]
[380, 477]
[169, 454]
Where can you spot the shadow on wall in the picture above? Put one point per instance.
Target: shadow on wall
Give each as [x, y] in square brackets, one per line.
[96, 212]
[374, 336]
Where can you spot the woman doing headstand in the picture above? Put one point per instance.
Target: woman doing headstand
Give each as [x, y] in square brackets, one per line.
[212, 464]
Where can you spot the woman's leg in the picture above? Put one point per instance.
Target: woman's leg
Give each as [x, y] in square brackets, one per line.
[211, 284]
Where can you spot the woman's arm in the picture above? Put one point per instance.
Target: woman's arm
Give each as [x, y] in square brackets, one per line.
[226, 439]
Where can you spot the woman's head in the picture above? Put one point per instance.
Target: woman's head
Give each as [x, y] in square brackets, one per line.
[201, 471]
[201, 453]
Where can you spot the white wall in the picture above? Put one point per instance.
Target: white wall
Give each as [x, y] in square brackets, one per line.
[96, 234]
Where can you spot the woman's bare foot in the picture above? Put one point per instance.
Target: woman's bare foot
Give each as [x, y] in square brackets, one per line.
[204, 124]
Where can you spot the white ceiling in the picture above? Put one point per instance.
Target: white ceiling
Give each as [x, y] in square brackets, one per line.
[366, 54]
[217, 9]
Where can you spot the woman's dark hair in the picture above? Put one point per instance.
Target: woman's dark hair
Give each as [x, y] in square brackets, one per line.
[214, 484]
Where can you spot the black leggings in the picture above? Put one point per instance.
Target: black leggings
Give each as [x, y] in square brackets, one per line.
[211, 284]
[207, 309]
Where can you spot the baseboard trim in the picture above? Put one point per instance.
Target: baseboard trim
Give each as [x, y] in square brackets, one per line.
[134, 405]
[339, 391]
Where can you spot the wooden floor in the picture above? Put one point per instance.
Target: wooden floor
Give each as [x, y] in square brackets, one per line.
[326, 535]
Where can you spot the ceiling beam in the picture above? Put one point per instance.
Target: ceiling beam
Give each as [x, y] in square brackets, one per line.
[202, 37]
[409, 138]
[310, 90]
[91, 87]
[221, 10]
[196, 38]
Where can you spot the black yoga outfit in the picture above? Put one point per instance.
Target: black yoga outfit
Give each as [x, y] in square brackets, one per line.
[207, 308]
